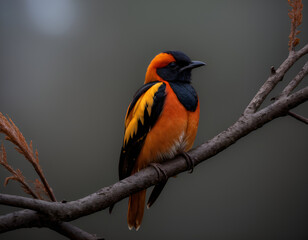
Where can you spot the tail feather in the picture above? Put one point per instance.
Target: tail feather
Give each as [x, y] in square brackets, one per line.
[155, 193]
[135, 209]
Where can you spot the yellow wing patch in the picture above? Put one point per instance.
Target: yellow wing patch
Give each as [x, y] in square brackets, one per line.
[137, 114]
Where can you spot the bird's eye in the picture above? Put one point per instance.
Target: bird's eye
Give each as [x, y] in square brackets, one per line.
[173, 65]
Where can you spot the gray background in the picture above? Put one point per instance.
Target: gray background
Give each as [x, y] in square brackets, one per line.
[68, 70]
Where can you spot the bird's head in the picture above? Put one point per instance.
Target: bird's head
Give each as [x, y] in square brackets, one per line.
[171, 66]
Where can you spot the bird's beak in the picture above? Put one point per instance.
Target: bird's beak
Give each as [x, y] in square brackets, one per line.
[193, 64]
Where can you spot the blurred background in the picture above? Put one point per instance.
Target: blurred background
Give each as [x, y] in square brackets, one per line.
[68, 70]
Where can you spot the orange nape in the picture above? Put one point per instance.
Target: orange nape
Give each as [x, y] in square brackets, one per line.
[161, 60]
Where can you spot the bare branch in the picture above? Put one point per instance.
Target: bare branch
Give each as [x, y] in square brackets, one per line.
[294, 83]
[20, 219]
[73, 232]
[302, 51]
[29, 218]
[298, 117]
[274, 79]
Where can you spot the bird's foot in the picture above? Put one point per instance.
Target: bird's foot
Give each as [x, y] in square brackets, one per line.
[189, 161]
[159, 171]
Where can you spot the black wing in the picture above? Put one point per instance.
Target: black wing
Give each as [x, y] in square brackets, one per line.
[141, 116]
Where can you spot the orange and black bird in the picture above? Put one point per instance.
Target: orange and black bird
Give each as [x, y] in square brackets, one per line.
[161, 122]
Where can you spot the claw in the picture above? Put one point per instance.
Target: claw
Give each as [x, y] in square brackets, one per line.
[159, 170]
[189, 161]
[159, 187]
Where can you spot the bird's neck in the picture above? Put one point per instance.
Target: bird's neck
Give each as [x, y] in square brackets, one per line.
[152, 76]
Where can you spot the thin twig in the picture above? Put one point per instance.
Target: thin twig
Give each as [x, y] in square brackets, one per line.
[298, 117]
[72, 232]
[295, 81]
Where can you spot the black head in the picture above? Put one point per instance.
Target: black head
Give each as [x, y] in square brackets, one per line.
[180, 69]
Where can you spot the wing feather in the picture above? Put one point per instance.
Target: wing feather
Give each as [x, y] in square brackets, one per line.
[141, 116]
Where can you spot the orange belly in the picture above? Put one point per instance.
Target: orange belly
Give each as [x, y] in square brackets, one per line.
[174, 132]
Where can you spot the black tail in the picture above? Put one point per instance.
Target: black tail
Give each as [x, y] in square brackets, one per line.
[156, 192]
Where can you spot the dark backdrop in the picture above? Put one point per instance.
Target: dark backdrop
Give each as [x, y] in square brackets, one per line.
[68, 70]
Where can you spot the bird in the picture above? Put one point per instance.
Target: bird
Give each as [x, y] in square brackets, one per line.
[160, 123]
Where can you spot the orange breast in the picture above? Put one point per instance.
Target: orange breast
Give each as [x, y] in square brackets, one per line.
[174, 131]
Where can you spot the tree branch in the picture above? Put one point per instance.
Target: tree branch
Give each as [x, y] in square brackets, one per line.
[28, 218]
[72, 232]
[274, 79]
[295, 81]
